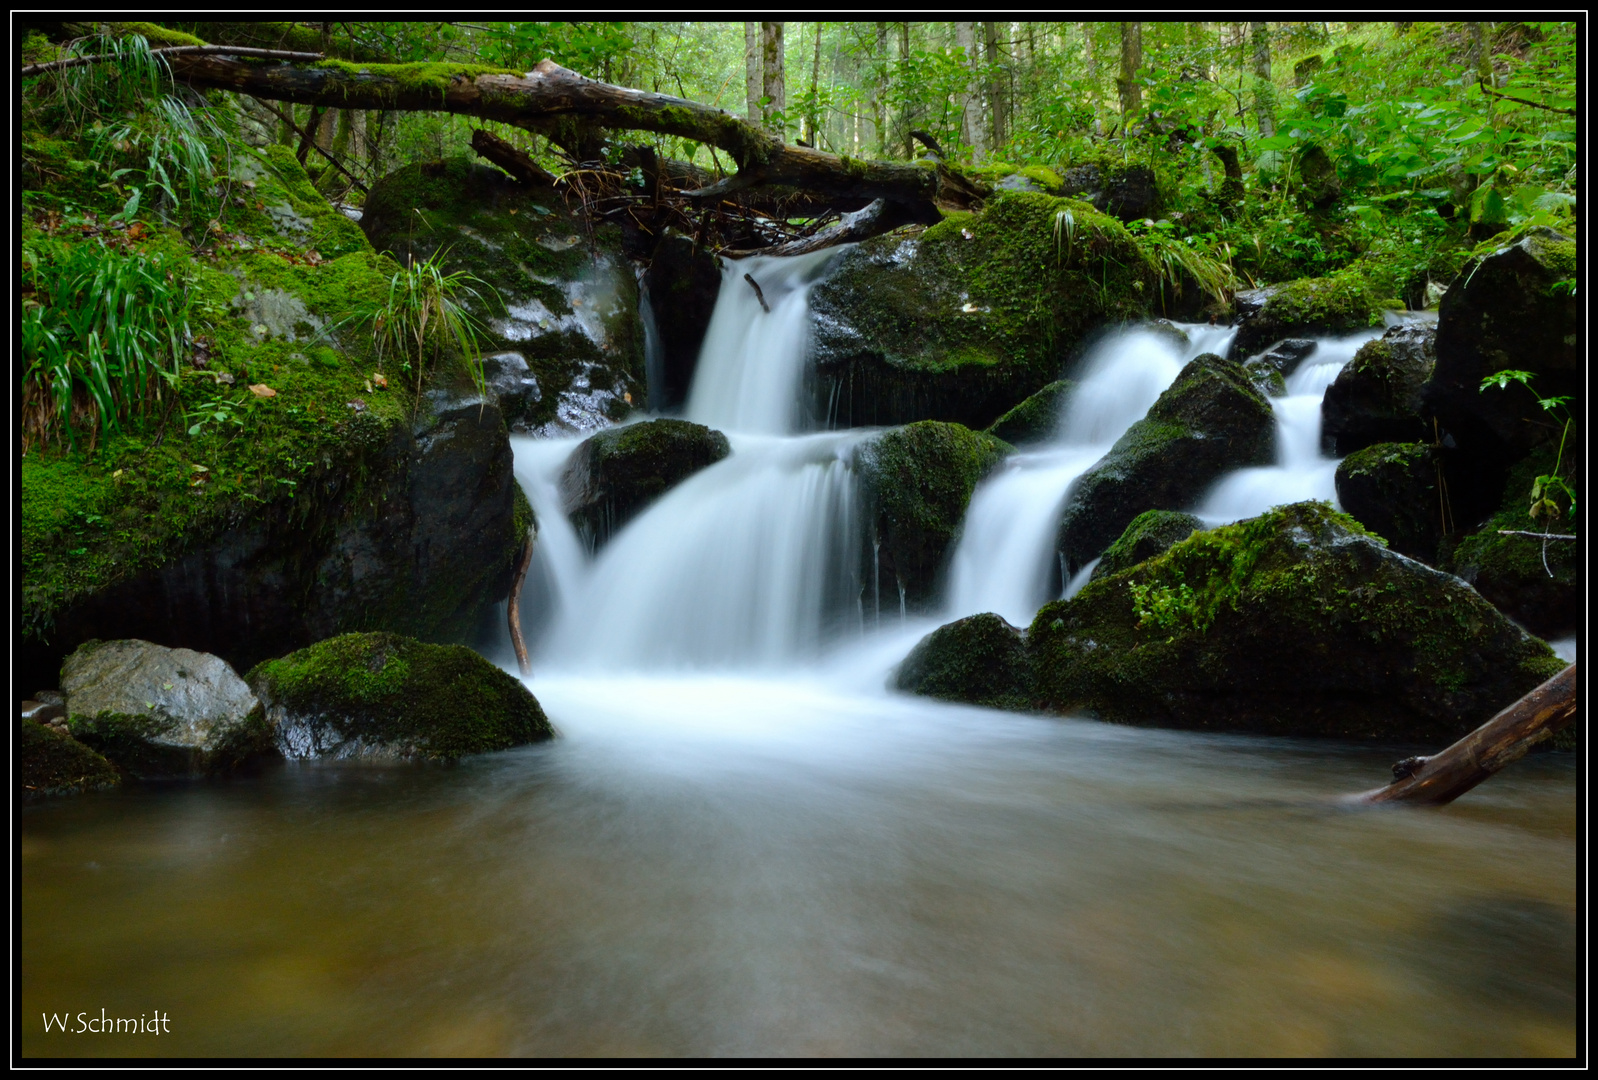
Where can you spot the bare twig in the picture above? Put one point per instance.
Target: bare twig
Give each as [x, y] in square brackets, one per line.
[753, 284]
[306, 137]
[1536, 535]
[513, 609]
[1522, 101]
[172, 50]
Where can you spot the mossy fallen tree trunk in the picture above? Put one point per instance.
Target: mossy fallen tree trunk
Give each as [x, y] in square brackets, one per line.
[1505, 738]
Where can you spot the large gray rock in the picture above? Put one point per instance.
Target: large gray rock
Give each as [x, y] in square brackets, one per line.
[612, 476]
[1377, 396]
[155, 711]
[1210, 421]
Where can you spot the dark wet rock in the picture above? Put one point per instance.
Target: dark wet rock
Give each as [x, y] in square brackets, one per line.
[965, 321]
[1511, 571]
[1377, 397]
[1128, 192]
[1391, 489]
[383, 697]
[49, 762]
[1285, 356]
[1036, 419]
[513, 385]
[612, 476]
[917, 483]
[1265, 376]
[1304, 308]
[159, 712]
[570, 298]
[1293, 623]
[1151, 533]
[980, 660]
[1210, 421]
[682, 284]
[42, 712]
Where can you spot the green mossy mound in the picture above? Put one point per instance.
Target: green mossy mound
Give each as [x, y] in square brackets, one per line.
[614, 475]
[966, 320]
[1293, 623]
[50, 763]
[386, 697]
[1037, 418]
[1377, 397]
[1391, 489]
[1331, 305]
[918, 481]
[1151, 533]
[980, 660]
[1509, 570]
[1210, 421]
[570, 300]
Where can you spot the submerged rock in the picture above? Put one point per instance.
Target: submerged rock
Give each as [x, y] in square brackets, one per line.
[980, 660]
[49, 762]
[918, 481]
[1377, 396]
[1293, 623]
[159, 712]
[382, 697]
[1305, 308]
[1211, 420]
[1037, 419]
[1391, 489]
[965, 321]
[612, 476]
[1151, 533]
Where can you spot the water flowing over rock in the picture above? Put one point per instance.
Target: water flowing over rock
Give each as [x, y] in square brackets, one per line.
[383, 697]
[1212, 420]
[159, 712]
[1391, 489]
[1293, 623]
[614, 475]
[1377, 397]
[681, 286]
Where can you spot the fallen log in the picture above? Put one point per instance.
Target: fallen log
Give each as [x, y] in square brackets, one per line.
[1505, 738]
[512, 160]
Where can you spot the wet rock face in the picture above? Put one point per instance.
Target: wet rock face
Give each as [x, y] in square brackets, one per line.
[1292, 623]
[1377, 397]
[1037, 419]
[980, 660]
[917, 483]
[567, 298]
[614, 475]
[159, 712]
[1127, 193]
[387, 698]
[1151, 533]
[1301, 309]
[1391, 489]
[419, 534]
[1211, 420]
[682, 285]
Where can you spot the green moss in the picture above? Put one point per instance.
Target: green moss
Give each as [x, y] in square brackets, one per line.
[49, 763]
[432, 702]
[1045, 176]
[158, 36]
[430, 76]
[980, 660]
[1036, 418]
[1150, 533]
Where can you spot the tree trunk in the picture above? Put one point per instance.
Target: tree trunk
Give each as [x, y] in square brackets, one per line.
[1505, 738]
[908, 119]
[965, 36]
[752, 82]
[1131, 60]
[1264, 91]
[773, 76]
[815, 88]
[880, 114]
[998, 91]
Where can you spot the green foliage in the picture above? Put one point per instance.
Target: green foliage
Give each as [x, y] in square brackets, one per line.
[1548, 488]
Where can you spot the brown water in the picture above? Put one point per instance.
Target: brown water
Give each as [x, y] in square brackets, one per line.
[743, 867]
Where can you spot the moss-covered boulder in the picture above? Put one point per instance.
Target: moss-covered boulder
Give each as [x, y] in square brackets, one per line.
[1151, 533]
[1293, 623]
[382, 697]
[980, 660]
[570, 299]
[49, 762]
[1037, 419]
[1305, 308]
[612, 476]
[1210, 421]
[1391, 489]
[1126, 190]
[159, 712]
[964, 321]
[1377, 397]
[917, 482]
[249, 522]
[1536, 584]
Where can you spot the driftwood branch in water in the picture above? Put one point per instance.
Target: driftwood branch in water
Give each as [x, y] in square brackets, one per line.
[874, 220]
[170, 51]
[513, 610]
[1505, 738]
[512, 160]
[755, 285]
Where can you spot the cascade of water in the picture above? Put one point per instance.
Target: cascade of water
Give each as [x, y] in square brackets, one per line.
[1004, 562]
[1301, 471]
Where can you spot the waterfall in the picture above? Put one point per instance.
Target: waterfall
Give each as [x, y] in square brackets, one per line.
[1005, 560]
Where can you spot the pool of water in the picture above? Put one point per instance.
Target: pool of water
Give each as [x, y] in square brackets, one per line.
[739, 866]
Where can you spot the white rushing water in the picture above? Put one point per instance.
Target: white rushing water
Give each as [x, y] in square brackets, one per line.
[1005, 560]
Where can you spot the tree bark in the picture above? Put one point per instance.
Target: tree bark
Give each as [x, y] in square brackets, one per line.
[815, 89]
[513, 607]
[752, 80]
[1264, 91]
[965, 36]
[907, 119]
[998, 96]
[1505, 738]
[881, 116]
[1131, 60]
[510, 159]
[773, 77]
